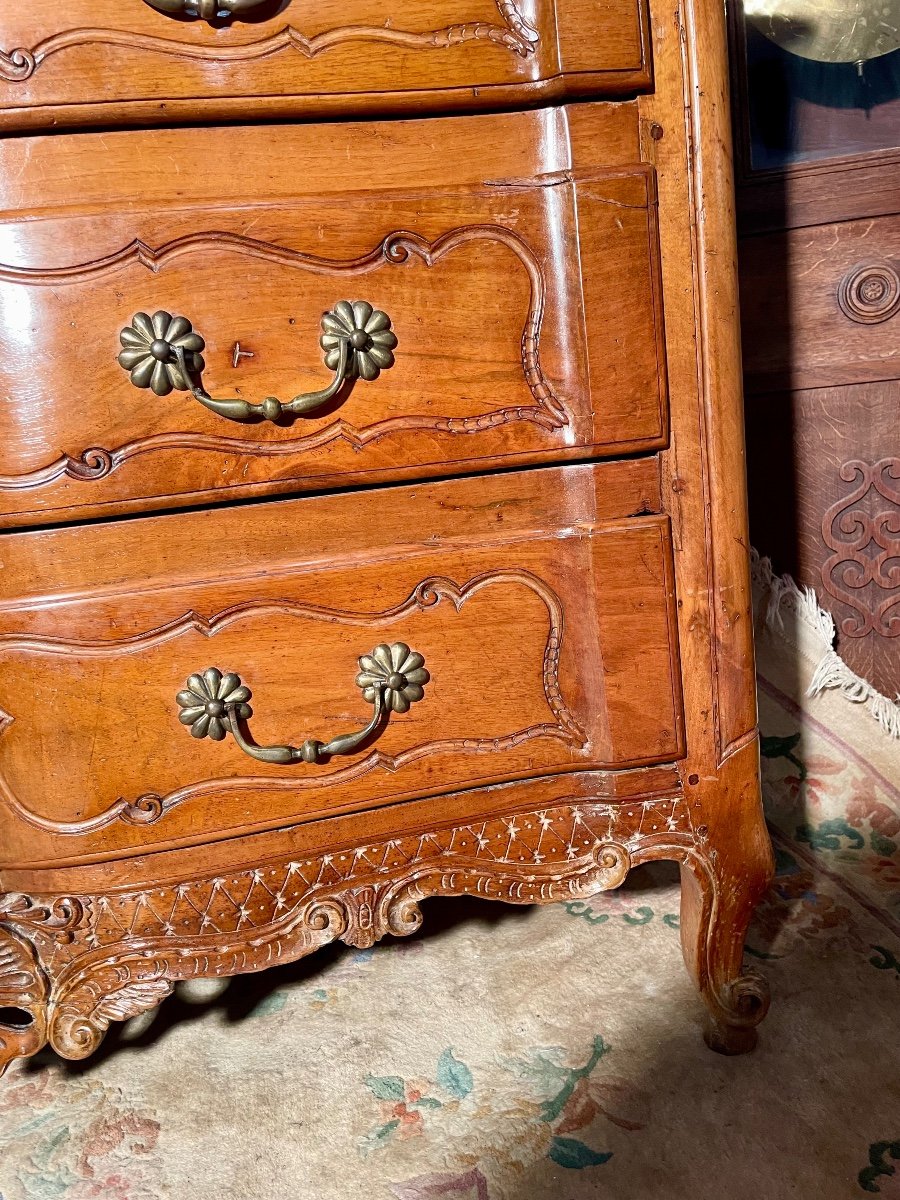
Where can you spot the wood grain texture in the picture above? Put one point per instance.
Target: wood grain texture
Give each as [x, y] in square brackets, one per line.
[540, 632]
[102, 62]
[686, 131]
[821, 306]
[568, 358]
[565, 608]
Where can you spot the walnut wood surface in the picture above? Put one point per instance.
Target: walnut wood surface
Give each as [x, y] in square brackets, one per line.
[109, 61]
[540, 652]
[647, 559]
[568, 357]
[821, 306]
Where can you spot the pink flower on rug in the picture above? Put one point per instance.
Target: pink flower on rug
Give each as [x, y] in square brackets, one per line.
[862, 808]
[108, 1133]
[817, 788]
[471, 1185]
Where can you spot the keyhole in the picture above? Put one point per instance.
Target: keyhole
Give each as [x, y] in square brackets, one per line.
[237, 354]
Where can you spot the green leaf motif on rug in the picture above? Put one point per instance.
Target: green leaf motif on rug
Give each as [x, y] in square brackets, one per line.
[407, 1102]
[883, 845]
[386, 1087]
[878, 1165]
[379, 1135]
[575, 1155]
[454, 1076]
[888, 960]
[828, 834]
[552, 1109]
[638, 916]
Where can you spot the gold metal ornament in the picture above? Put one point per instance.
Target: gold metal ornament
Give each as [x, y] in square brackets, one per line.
[214, 703]
[830, 31]
[162, 352]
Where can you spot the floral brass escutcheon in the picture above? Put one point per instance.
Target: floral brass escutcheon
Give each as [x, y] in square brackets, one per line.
[147, 353]
[368, 332]
[162, 353]
[214, 704]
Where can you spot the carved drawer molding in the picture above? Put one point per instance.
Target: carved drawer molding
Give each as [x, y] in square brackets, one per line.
[513, 34]
[96, 462]
[75, 964]
[151, 807]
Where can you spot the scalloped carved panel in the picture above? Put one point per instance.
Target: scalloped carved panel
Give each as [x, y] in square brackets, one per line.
[523, 671]
[553, 363]
[123, 949]
[108, 58]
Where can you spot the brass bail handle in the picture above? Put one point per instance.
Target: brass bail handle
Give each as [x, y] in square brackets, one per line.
[214, 703]
[163, 353]
[205, 10]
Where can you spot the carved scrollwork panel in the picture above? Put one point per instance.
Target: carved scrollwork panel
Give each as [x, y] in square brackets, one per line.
[513, 33]
[131, 946]
[95, 463]
[862, 531]
[427, 595]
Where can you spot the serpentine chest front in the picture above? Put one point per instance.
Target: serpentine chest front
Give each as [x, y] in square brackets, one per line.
[371, 490]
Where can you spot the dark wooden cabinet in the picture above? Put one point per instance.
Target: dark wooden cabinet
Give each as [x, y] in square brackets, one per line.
[818, 187]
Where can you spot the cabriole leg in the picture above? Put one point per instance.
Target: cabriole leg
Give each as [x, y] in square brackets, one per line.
[722, 880]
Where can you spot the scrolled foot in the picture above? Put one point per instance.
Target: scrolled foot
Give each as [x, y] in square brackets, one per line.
[729, 1039]
[23, 1000]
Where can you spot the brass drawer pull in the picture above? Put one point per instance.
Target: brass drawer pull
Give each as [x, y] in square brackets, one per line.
[205, 10]
[163, 353]
[215, 703]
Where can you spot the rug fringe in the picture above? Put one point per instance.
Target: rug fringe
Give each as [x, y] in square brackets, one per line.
[782, 595]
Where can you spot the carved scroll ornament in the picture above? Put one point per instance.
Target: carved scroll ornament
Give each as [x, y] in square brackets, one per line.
[863, 569]
[513, 34]
[96, 462]
[128, 948]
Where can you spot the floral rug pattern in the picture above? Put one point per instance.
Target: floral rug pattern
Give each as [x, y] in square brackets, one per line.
[533, 1054]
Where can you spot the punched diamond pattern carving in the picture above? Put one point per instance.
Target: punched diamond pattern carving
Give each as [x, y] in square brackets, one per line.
[265, 895]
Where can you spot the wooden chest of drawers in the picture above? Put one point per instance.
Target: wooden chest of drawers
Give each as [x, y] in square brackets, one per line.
[506, 648]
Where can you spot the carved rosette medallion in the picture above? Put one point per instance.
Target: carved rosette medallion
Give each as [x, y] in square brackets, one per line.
[862, 531]
[870, 293]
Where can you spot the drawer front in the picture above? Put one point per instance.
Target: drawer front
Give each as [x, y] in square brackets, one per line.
[530, 620]
[510, 320]
[820, 307]
[103, 61]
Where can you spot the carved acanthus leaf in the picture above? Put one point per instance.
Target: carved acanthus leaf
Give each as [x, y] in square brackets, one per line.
[136, 997]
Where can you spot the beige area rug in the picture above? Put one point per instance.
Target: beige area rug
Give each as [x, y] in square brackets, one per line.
[540, 1054]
